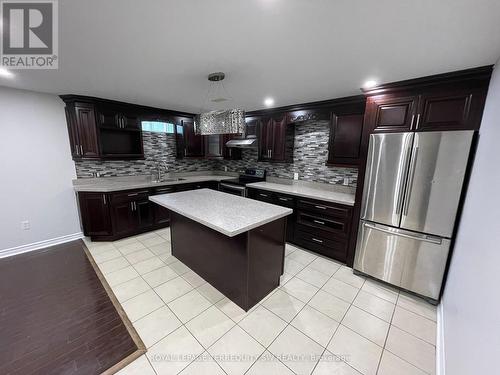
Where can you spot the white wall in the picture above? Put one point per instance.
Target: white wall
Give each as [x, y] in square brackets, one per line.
[471, 302]
[36, 169]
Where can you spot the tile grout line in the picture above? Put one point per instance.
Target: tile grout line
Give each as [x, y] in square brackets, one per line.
[288, 323]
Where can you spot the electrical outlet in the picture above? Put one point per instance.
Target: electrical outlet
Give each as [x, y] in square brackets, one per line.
[225, 169]
[25, 225]
[346, 181]
[295, 176]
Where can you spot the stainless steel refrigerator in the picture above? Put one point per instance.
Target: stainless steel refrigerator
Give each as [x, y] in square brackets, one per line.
[412, 190]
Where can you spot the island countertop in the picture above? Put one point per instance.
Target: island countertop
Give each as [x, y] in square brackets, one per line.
[226, 213]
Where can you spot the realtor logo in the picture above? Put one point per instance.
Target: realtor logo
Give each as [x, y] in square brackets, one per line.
[29, 34]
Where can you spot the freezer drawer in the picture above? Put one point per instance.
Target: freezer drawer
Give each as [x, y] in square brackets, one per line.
[409, 260]
[435, 179]
[385, 179]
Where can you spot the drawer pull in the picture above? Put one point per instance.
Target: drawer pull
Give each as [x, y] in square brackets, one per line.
[162, 190]
[317, 240]
[263, 195]
[133, 194]
[321, 207]
[284, 199]
[319, 222]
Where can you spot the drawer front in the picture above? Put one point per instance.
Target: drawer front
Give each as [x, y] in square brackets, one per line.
[284, 200]
[164, 190]
[129, 196]
[336, 249]
[325, 208]
[326, 223]
[264, 196]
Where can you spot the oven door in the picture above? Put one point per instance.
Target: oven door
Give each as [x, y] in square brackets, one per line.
[233, 189]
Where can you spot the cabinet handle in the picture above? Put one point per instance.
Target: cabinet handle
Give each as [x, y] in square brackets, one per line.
[132, 206]
[263, 195]
[284, 199]
[163, 190]
[418, 120]
[319, 222]
[135, 206]
[317, 240]
[320, 207]
[132, 194]
[77, 150]
[411, 124]
[81, 150]
[104, 198]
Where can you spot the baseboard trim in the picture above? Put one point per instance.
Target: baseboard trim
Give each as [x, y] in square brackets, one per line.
[39, 245]
[440, 353]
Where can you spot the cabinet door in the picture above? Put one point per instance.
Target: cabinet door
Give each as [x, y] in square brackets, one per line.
[109, 116]
[265, 139]
[87, 130]
[144, 214]
[94, 209]
[444, 111]
[124, 221]
[392, 113]
[193, 143]
[345, 139]
[278, 149]
[73, 133]
[130, 120]
[213, 145]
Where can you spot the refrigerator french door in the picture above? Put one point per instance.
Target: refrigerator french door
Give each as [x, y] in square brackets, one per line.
[411, 194]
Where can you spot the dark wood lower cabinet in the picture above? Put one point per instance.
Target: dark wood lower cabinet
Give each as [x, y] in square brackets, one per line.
[119, 214]
[319, 226]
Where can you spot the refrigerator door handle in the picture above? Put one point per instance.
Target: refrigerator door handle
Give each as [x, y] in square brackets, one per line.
[411, 175]
[401, 192]
[433, 240]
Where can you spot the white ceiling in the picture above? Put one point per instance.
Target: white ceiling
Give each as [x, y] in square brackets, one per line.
[158, 52]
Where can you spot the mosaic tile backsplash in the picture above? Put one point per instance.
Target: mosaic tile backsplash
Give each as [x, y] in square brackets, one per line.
[310, 155]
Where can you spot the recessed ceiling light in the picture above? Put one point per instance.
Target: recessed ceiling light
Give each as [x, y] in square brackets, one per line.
[369, 84]
[5, 73]
[268, 102]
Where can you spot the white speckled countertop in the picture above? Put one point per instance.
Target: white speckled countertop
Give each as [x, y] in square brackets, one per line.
[226, 213]
[313, 190]
[109, 184]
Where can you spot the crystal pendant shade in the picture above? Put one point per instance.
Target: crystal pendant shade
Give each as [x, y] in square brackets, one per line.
[227, 121]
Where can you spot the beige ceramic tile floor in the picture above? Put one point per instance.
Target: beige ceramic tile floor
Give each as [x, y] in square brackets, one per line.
[322, 320]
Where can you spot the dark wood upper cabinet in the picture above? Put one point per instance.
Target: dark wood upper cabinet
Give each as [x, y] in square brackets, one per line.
[118, 117]
[276, 139]
[188, 143]
[82, 131]
[345, 140]
[450, 101]
[450, 110]
[393, 113]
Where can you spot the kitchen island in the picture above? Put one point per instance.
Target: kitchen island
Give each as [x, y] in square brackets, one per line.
[236, 244]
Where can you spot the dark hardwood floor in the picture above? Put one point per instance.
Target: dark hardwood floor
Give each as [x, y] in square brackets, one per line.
[56, 317]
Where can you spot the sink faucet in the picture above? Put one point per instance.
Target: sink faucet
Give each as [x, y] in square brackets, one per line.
[159, 166]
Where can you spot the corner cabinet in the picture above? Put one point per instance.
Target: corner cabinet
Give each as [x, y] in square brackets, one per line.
[276, 138]
[114, 215]
[99, 130]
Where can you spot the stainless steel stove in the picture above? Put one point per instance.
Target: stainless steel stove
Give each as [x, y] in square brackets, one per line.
[237, 186]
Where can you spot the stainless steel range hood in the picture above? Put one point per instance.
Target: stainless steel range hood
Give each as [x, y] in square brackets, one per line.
[248, 140]
[242, 143]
